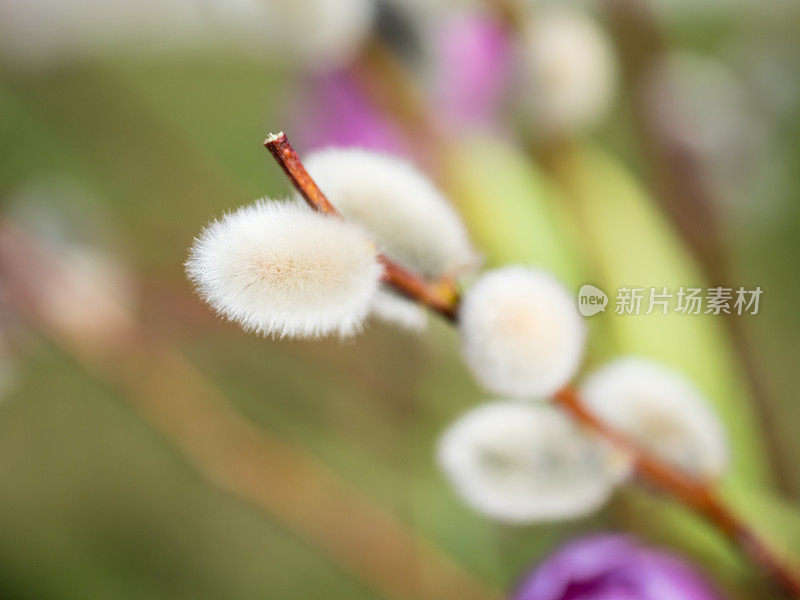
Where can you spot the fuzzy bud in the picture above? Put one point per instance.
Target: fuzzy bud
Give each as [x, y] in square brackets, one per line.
[520, 462]
[321, 33]
[392, 308]
[407, 216]
[521, 332]
[569, 72]
[662, 411]
[282, 269]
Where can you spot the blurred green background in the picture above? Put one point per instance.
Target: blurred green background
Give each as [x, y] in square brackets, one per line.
[136, 154]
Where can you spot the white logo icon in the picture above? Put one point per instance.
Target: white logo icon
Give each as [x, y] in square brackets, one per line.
[591, 300]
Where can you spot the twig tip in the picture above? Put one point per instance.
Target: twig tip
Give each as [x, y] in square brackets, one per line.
[274, 137]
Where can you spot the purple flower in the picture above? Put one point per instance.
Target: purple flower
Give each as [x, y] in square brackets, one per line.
[335, 112]
[614, 567]
[473, 69]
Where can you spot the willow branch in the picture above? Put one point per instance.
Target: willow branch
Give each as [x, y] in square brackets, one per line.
[694, 494]
[439, 297]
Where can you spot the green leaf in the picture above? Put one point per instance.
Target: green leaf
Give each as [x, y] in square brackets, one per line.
[631, 243]
[515, 215]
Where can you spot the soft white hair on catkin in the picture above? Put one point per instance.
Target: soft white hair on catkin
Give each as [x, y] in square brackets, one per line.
[408, 217]
[662, 411]
[521, 332]
[569, 71]
[282, 269]
[396, 310]
[323, 33]
[521, 462]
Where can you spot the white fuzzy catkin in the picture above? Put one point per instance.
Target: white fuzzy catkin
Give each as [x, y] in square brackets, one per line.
[520, 462]
[90, 297]
[282, 269]
[662, 411]
[54, 30]
[568, 70]
[318, 33]
[322, 33]
[408, 217]
[521, 332]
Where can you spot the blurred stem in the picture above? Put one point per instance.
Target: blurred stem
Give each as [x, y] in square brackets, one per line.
[274, 474]
[681, 180]
[694, 494]
[386, 80]
[679, 176]
[390, 87]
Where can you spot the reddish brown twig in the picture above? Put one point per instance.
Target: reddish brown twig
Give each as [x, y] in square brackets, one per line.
[439, 297]
[287, 158]
[692, 493]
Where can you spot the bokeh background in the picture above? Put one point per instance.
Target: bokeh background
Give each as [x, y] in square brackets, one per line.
[148, 450]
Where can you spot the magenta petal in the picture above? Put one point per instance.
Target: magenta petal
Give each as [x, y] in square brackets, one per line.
[614, 567]
[606, 591]
[583, 563]
[663, 576]
[334, 111]
[473, 69]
